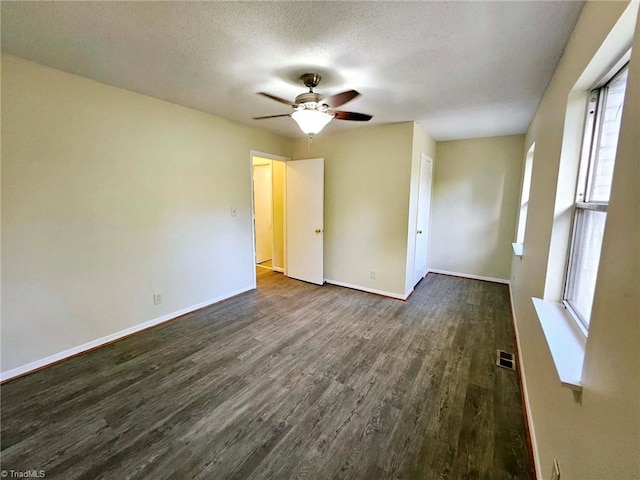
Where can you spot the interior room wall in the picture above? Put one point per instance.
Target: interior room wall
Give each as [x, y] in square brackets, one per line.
[475, 205]
[109, 197]
[597, 435]
[367, 182]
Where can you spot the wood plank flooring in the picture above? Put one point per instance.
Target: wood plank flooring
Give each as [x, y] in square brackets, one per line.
[291, 380]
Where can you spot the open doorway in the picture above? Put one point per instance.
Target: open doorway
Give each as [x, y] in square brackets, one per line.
[292, 226]
[263, 215]
[269, 177]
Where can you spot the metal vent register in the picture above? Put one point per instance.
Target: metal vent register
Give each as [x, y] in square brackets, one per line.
[506, 360]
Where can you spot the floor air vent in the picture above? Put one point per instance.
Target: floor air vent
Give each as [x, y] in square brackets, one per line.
[506, 360]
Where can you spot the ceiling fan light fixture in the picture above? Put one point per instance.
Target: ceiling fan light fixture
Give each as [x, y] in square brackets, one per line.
[311, 121]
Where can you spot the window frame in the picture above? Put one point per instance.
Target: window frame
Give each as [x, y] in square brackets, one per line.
[596, 106]
[525, 194]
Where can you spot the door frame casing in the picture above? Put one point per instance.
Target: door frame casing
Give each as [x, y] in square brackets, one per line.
[279, 158]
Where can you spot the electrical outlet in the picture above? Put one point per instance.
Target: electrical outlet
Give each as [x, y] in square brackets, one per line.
[372, 274]
[555, 471]
[157, 298]
[234, 212]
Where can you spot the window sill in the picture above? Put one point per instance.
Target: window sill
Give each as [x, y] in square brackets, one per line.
[518, 248]
[566, 341]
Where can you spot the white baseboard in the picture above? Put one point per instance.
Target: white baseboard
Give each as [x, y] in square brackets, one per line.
[469, 275]
[525, 394]
[278, 269]
[366, 289]
[57, 357]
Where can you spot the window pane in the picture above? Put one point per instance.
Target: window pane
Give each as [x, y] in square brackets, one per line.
[584, 264]
[608, 139]
[524, 198]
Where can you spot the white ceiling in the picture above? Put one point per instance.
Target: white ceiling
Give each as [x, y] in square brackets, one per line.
[460, 69]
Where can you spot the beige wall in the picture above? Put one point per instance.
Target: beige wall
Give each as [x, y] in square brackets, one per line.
[599, 436]
[475, 205]
[107, 197]
[367, 181]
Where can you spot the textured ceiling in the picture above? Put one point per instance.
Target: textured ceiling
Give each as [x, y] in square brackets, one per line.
[460, 69]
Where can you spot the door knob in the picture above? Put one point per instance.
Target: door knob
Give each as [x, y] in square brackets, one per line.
[419, 232]
[318, 230]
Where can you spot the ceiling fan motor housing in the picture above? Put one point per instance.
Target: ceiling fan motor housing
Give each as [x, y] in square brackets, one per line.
[310, 80]
[309, 97]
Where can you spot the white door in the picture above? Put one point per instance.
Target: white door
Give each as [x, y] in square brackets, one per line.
[422, 227]
[305, 220]
[262, 200]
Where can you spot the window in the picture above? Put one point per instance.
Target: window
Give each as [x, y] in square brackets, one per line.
[524, 197]
[602, 129]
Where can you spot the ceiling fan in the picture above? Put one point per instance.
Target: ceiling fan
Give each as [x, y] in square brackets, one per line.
[312, 111]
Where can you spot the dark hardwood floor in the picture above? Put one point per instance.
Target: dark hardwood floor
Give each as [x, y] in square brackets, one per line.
[291, 380]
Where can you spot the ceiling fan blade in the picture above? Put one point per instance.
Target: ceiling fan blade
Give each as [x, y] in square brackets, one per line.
[272, 116]
[341, 98]
[358, 117]
[277, 99]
